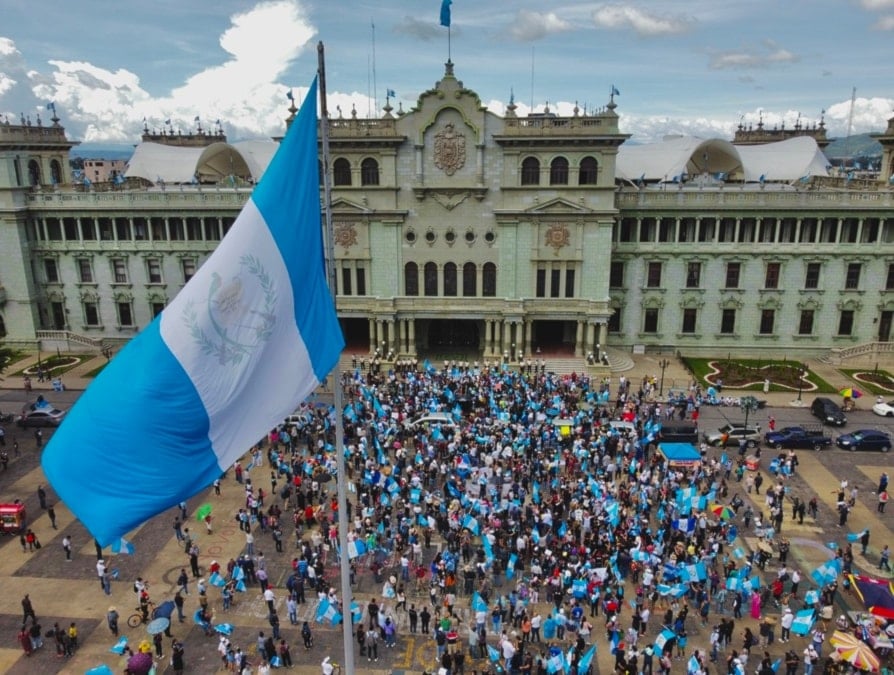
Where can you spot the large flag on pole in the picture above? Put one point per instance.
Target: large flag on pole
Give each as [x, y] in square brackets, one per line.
[249, 337]
[445, 12]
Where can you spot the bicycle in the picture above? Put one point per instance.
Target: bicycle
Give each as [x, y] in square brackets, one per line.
[136, 618]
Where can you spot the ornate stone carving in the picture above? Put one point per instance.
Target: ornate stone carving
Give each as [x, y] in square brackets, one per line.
[345, 234]
[450, 200]
[450, 150]
[558, 236]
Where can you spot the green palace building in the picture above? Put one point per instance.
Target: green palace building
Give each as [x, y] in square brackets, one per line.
[458, 231]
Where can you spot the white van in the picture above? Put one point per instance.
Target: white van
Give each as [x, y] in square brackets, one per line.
[427, 421]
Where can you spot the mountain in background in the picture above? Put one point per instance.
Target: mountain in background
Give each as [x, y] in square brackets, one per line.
[102, 151]
[858, 145]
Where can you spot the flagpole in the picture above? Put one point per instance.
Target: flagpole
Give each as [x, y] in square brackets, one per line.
[338, 393]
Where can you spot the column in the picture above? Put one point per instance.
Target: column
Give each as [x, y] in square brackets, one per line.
[529, 329]
[372, 335]
[488, 337]
[391, 342]
[579, 339]
[412, 326]
[603, 334]
[676, 230]
[380, 335]
[797, 230]
[591, 338]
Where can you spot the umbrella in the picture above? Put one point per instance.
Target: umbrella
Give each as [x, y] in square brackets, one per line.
[164, 610]
[723, 512]
[140, 663]
[202, 511]
[884, 612]
[158, 625]
[851, 392]
[841, 640]
[860, 656]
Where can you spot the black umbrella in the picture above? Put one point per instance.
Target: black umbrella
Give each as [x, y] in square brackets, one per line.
[164, 610]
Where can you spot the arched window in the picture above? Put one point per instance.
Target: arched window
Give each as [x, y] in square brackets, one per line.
[431, 279]
[450, 279]
[369, 172]
[530, 174]
[558, 171]
[470, 280]
[34, 172]
[341, 172]
[56, 172]
[589, 171]
[411, 279]
[489, 280]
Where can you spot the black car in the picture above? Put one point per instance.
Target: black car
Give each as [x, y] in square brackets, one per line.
[827, 411]
[797, 438]
[865, 439]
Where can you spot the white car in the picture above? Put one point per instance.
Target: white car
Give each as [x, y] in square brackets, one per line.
[885, 409]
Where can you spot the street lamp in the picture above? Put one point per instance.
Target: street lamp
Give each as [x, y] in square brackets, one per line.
[802, 371]
[748, 405]
[663, 364]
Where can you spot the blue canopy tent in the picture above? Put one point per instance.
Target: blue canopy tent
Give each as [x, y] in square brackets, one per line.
[679, 454]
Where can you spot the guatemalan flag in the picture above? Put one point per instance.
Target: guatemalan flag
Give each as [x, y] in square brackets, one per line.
[249, 337]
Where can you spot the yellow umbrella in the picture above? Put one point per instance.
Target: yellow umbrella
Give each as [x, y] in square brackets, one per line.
[861, 656]
[842, 640]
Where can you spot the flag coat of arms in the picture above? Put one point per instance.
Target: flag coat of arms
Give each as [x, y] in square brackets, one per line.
[250, 336]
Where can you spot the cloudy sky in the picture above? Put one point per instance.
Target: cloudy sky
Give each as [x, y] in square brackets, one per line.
[697, 67]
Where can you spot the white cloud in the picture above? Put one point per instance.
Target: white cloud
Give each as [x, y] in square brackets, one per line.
[758, 56]
[877, 4]
[529, 26]
[641, 21]
[870, 114]
[421, 30]
[884, 23]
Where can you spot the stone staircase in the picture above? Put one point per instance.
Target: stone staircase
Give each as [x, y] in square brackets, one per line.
[619, 361]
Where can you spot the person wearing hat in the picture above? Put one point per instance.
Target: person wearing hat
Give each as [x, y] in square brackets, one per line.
[788, 618]
[112, 619]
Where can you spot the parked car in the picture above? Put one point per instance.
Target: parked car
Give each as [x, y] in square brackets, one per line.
[865, 439]
[798, 438]
[682, 432]
[884, 408]
[828, 411]
[41, 417]
[444, 421]
[730, 434]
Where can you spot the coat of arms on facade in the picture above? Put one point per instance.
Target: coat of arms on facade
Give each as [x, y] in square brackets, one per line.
[345, 234]
[558, 237]
[238, 314]
[450, 150]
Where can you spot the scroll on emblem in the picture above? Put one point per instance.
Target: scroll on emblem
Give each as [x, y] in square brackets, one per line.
[450, 150]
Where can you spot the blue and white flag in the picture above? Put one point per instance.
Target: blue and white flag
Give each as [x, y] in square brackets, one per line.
[251, 335]
[478, 603]
[662, 639]
[803, 622]
[445, 13]
[510, 566]
[356, 548]
[586, 659]
[471, 524]
[493, 653]
[555, 663]
[327, 611]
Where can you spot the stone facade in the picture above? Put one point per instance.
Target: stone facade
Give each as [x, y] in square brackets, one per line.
[460, 231]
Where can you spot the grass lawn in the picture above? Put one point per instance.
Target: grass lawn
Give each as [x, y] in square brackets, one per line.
[55, 365]
[96, 371]
[749, 374]
[878, 382]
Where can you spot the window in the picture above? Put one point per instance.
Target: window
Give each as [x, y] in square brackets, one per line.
[450, 279]
[411, 279]
[558, 171]
[889, 279]
[690, 315]
[106, 233]
[530, 174]
[91, 314]
[85, 271]
[489, 280]
[156, 308]
[341, 172]
[653, 277]
[616, 275]
[122, 229]
[540, 290]
[811, 279]
[733, 270]
[470, 280]
[693, 274]
[728, 322]
[193, 229]
[771, 279]
[846, 322]
[212, 229]
[555, 279]
[431, 279]
[51, 271]
[175, 227]
[125, 315]
[119, 271]
[189, 270]
[345, 280]
[369, 172]
[852, 279]
[805, 323]
[614, 321]
[768, 318]
[153, 266]
[588, 173]
[569, 283]
[650, 320]
[361, 281]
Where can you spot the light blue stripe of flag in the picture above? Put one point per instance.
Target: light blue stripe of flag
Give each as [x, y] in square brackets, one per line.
[488, 552]
[586, 659]
[471, 524]
[493, 653]
[478, 603]
[510, 566]
[251, 335]
[445, 13]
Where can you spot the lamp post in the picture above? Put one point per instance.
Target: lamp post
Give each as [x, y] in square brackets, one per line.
[663, 364]
[748, 405]
[107, 352]
[802, 371]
